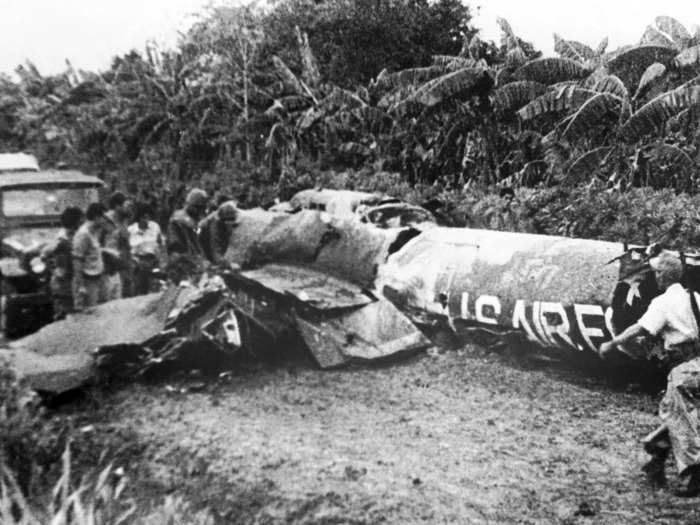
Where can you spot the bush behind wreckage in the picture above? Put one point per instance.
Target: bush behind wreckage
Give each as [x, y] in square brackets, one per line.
[349, 291]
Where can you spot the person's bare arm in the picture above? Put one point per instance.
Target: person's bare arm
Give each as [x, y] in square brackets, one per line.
[628, 334]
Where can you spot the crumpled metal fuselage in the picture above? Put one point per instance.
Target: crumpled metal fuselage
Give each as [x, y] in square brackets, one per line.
[554, 291]
[310, 276]
[348, 291]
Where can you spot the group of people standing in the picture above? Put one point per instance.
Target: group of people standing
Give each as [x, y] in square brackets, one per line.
[109, 253]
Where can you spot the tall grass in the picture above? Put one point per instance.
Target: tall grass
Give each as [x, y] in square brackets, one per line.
[95, 500]
[35, 448]
[99, 499]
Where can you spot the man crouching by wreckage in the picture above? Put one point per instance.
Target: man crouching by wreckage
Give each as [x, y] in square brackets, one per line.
[673, 315]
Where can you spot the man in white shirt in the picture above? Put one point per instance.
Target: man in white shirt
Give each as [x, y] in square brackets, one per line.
[671, 316]
[147, 247]
[89, 287]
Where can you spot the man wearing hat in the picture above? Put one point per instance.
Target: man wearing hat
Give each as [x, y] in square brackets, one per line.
[215, 231]
[182, 227]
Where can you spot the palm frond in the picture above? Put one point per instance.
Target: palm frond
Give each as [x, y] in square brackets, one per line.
[289, 104]
[653, 37]
[585, 165]
[516, 94]
[641, 57]
[515, 58]
[551, 70]
[564, 99]
[611, 84]
[290, 79]
[670, 153]
[311, 73]
[451, 63]
[554, 154]
[508, 38]
[503, 77]
[572, 50]
[339, 97]
[653, 73]
[601, 47]
[654, 114]
[457, 85]
[355, 149]
[673, 28]
[309, 118]
[590, 114]
[406, 78]
[689, 57]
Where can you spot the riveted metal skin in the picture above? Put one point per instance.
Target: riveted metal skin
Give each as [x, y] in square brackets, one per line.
[555, 291]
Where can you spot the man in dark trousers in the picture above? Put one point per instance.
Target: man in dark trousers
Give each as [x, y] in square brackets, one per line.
[674, 316]
[116, 246]
[182, 231]
[59, 256]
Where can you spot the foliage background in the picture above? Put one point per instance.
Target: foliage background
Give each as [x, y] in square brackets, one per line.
[400, 96]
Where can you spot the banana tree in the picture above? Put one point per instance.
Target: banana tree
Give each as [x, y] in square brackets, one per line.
[600, 112]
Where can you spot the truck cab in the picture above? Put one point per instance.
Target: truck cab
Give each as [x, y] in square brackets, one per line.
[31, 203]
[18, 162]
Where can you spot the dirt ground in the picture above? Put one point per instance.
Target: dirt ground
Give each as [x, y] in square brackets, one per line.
[453, 437]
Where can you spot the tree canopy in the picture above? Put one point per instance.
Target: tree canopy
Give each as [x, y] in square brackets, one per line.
[398, 85]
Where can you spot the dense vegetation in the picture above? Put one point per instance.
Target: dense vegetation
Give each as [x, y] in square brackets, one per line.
[397, 94]
[401, 96]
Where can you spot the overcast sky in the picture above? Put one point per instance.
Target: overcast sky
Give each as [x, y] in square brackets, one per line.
[90, 32]
[589, 21]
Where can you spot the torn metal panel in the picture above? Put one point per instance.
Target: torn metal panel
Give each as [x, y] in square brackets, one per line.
[59, 357]
[341, 203]
[339, 247]
[374, 331]
[295, 239]
[125, 321]
[309, 286]
[251, 227]
[55, 373]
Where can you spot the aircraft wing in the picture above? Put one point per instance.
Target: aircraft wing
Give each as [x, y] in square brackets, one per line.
[120, 337]
[336, 320]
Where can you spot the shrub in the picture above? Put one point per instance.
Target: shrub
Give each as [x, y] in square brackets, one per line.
[30, 444]
[637, 216]
[42, 481]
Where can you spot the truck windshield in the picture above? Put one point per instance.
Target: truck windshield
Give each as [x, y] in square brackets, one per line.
[45, 201]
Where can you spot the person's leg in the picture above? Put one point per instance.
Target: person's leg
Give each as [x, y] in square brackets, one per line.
[678, 411]
[93, 288]
[113, 287]
[85, 293]
[61, 297]
[127, 278]
[658, 445]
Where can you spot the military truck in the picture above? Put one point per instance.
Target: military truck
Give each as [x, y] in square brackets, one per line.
[31, 203]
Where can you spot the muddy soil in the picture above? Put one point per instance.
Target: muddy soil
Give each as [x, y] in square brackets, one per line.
[453, 437]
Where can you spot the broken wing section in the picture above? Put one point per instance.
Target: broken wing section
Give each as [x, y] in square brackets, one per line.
[310, 287]
[374, 331]
[335, 319]
[122, 338]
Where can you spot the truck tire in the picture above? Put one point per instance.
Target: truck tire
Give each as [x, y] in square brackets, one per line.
[25, 313]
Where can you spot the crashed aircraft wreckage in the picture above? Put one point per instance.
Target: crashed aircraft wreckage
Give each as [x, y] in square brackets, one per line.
[348, 291]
